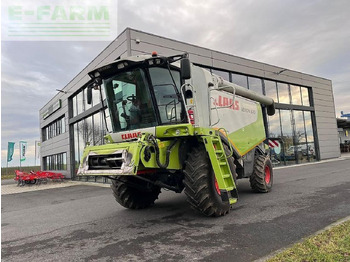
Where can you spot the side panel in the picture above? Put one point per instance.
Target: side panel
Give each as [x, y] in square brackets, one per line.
[242, 118]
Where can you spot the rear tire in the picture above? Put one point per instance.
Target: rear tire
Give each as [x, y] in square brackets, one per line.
[199, 183]
[133, 197]
[262, 178]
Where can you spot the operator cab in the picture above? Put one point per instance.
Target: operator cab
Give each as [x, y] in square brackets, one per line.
[142, 92]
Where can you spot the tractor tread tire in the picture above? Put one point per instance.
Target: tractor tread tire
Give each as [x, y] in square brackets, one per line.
[257, 179]
[130, 197]
[199, 185]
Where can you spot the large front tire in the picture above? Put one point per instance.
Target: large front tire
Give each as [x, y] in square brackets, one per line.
[200, 185]
[262, 178]
[134, 193]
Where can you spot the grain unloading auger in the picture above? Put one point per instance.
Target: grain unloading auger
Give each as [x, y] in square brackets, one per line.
[175, 125]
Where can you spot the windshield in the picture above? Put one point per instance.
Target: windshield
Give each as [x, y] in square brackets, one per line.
[129, 101]
[169, 106]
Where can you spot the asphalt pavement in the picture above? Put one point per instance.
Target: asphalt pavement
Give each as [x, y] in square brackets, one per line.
[84, 223]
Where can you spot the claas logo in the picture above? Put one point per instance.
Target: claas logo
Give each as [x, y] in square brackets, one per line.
[225, 101]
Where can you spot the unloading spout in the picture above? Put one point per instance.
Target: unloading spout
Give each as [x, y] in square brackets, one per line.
[241, 91]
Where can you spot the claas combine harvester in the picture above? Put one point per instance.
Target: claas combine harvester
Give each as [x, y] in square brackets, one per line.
[177, 126]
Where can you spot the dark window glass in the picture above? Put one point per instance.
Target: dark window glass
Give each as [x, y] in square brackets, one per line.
[129, 102]
[296, 94]
[283, 93]
[43, 131]
[255, 84]
[271, 89]
[55, 162]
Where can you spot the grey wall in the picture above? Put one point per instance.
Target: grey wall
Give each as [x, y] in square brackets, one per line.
[126, 45]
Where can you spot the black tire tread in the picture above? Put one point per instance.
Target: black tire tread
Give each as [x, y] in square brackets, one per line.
[257, 179]
[198, 189]
[130, 197]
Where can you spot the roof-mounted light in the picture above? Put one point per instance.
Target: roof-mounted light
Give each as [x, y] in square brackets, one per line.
[154, 53]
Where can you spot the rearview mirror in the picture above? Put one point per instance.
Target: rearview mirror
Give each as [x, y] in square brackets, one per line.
[185, 68]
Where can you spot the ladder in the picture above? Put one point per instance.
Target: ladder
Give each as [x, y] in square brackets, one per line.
[221, 168]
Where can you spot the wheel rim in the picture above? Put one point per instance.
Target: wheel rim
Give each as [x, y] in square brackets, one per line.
[217, 187]
[267, 174]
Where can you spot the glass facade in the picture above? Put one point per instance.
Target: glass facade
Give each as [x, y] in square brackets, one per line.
[291, 126]
[90, 130]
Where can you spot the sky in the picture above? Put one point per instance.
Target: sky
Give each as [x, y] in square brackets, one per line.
[312, 37]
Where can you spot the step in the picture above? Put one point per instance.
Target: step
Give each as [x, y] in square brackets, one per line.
[226, 175]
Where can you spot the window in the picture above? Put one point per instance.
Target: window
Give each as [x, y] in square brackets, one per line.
[271, 89]
[305, 96]
[223, 74]
[129, 101]
[54, 129]
[287, 137]
[80, 103]
[92, 130]
[255, 84]
[240, 80]
[296, 94]
[168, 103]
[55, 162]
[283, 93]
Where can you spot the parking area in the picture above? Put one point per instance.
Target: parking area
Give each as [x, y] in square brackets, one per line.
[77, 221]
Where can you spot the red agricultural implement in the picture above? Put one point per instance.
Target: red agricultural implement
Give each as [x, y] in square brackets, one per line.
[39, 177]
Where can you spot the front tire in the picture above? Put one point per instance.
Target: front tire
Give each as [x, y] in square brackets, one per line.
[200, 185]
[134, 193]
[262, 178]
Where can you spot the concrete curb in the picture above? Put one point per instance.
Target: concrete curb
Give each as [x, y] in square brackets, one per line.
[10, 189]
[314, 163]
[341, 221]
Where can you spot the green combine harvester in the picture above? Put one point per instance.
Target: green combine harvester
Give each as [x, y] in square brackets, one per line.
[177, 126]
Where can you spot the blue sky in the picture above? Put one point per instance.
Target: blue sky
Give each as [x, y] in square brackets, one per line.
[307, 36]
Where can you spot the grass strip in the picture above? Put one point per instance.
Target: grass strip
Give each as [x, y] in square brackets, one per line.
[330, 245]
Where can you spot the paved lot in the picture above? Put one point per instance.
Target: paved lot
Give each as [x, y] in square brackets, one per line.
[84, 222]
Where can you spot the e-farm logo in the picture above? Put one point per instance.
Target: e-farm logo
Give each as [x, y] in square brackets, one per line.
[59, 20]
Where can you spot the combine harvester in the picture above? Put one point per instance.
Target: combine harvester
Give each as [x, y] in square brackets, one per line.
[175, 125]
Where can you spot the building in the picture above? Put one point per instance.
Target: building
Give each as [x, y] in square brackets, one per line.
[304, 123]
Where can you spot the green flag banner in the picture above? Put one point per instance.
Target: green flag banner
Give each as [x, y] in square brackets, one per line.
[10, 151]
[23, 149]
